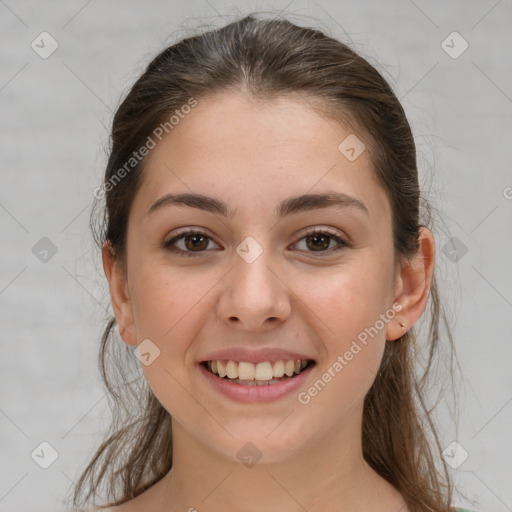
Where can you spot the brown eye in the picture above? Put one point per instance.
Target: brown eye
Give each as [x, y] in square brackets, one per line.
[192, 243]
[318, 241]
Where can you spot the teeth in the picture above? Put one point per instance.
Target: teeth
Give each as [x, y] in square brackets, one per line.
[232, 370]
[279, 369]
[221, 369]
[264, 372]
[246, 371]
[256, 382]
[289, 368]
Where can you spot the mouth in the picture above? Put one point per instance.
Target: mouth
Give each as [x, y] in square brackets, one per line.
[264, 373]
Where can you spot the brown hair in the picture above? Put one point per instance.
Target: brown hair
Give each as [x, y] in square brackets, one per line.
[268, 59]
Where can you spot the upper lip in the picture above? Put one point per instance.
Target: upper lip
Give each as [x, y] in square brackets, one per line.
[254, 356]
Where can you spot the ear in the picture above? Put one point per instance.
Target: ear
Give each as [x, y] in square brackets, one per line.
[413, 285]
[116, 276]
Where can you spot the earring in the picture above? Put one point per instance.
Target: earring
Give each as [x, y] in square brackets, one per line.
[403, 327]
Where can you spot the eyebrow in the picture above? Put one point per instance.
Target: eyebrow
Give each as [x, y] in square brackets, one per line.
[289, 206]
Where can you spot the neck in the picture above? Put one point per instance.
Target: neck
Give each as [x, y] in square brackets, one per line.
[330, 474]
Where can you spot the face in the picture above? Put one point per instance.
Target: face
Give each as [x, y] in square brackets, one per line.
[269, 279]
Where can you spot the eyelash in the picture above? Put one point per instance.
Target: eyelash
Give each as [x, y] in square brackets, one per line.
[169, 245]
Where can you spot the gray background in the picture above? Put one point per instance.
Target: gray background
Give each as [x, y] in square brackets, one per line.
[55, 114]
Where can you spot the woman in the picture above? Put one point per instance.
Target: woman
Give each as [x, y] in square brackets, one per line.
[267, 262]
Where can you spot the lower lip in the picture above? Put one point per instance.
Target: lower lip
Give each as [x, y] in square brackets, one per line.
[247, 394]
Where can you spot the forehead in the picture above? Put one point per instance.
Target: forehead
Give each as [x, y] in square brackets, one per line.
[235, 147]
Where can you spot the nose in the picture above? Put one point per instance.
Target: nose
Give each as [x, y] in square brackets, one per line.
[255, 297]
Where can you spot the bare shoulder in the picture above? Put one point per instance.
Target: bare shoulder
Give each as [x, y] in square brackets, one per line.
[116, 508]
[143, 502]
[133, 505]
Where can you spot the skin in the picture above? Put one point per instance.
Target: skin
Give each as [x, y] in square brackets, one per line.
[252, 155]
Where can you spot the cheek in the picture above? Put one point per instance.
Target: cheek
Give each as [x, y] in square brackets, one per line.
[170, 308]
[164, 305]
[164, 298]
[350, 310]
[346, 301]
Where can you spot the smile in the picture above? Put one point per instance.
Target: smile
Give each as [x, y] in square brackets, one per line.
[263, 373]
[244, 381]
